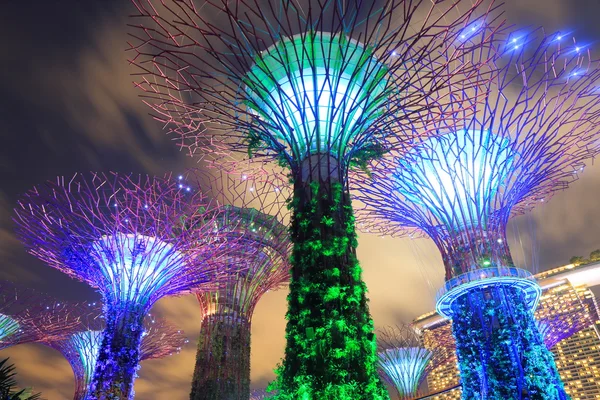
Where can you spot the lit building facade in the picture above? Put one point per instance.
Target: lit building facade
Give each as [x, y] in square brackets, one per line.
[568, 306]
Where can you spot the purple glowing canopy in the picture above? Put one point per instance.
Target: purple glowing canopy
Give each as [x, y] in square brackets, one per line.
[525, 135]
[134, 238]
[27, 315]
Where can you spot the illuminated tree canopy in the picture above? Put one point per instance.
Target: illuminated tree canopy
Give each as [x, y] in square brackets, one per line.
[404, 361]
[223, 360]
[133, 238]
[526, 135]
[27, 315]
[530, 138]
[291, 81]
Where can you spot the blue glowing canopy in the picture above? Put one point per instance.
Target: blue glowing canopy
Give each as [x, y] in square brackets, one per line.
[455, 176]
[136, 265]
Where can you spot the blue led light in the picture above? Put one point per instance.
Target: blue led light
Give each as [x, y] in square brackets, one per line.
[87, 345]
[405, 367]
[135, 265]
[484, 278]
[453, 176]
[8, 326]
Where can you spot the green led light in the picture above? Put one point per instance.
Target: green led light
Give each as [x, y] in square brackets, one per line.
[317, 90]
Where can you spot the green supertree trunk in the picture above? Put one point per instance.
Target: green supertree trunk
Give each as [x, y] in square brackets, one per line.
[501, 354]
[222, 369]
[331, 347]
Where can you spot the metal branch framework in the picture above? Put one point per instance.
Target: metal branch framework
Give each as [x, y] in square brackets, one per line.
[318, 87]
[291, 80]
[403, 359]
[81, 349]
[135, 239]
[253, 210]
[530, 136]
[29, 316]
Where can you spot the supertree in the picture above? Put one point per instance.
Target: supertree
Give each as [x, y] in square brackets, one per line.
[403, 359]
[27, 315]
[252, 213]
[529, 132]
[81, 349]
[135, 239]
[315, 87]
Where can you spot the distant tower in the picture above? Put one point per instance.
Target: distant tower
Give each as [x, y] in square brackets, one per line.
[252, 211]
[314, 86]
[525, 135]
[160, 339]
[403, 359]
[27, 315]
[135, 239]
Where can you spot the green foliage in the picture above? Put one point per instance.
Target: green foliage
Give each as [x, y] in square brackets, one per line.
[577, 260]
[500, 352]
[8, 383]
[254, 141]
[595, 255]
[331, 349]
[362, 157]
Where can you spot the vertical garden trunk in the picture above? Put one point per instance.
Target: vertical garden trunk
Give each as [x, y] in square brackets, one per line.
[222, 369]
[501, 354]
[331, 349]
[119, 354]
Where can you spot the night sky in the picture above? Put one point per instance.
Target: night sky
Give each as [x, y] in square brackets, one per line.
[67, 105]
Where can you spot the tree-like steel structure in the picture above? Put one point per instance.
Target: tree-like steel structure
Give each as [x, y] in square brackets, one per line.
[134, 238]
[253, 211]
[313, 86]
[403, 359]
[27, 315]
[81, 349]
[538, 123]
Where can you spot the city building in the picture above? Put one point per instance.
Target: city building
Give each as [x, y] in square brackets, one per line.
[569, 311]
